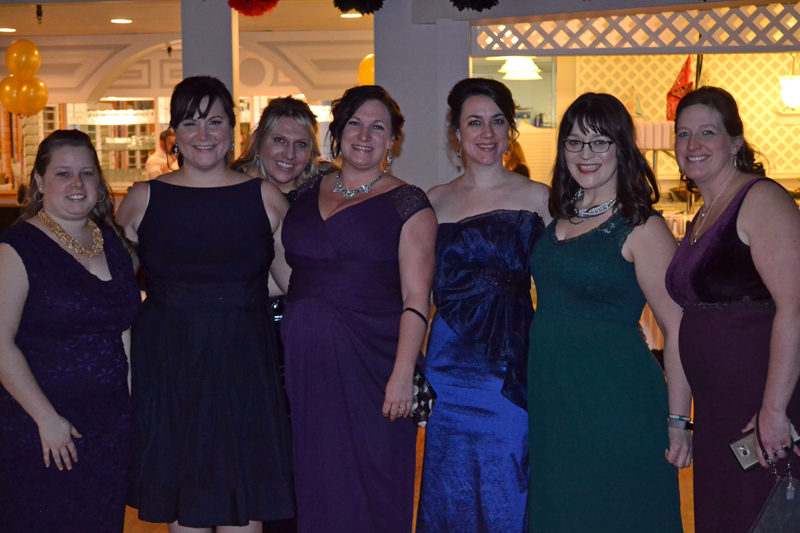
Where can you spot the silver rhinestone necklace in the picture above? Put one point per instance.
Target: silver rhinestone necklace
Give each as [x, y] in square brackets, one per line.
[349, 194]
[594, 211]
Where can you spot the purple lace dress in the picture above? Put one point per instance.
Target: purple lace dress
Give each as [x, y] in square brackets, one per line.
[354, 470]
[724, 343]
[70, 333]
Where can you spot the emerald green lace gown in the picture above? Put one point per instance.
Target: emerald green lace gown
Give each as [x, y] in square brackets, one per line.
[597, 399]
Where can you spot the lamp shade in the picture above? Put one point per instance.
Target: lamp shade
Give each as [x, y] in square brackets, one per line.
[790, 91]
[520, 68]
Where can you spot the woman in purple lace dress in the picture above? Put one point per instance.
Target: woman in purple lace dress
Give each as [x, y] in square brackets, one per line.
[736, 277]
[67, 294]
[360, 243]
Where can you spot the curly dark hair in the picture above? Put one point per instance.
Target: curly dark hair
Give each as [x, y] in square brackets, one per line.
[723, 103]
[345, 107]
[493, 89]
[103, 212]
[604, 114]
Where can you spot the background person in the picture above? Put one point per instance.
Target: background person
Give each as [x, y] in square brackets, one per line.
[360, 243]
[476, 450]
[735, 275]
[164, 159]
[67, 294]
[597, 399]
[212, 447]
[514, 159]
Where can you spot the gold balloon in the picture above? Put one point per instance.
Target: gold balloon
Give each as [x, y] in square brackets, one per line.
[32, 96]
[22, 59]
[9, 89]
[366, 70]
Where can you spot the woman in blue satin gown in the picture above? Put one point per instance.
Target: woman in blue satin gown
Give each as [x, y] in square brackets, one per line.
[475, 470]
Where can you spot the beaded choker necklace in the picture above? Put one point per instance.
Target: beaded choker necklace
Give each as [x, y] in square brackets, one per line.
[594, 211]
[349, 194]
[71, 242]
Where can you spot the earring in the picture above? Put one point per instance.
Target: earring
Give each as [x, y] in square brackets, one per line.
[259, 166]
[459, 152]
[41, 195]
[389, 158]
[736, 163]
[339, 154]
[175, 149]
[101, 195]
[233, 145]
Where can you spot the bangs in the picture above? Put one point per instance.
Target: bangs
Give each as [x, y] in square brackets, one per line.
[594, 121]
[193, 107]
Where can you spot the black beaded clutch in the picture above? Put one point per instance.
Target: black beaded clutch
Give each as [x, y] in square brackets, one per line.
[423, 400]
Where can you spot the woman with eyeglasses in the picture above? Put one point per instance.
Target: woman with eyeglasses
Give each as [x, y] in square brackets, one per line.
[602, 419]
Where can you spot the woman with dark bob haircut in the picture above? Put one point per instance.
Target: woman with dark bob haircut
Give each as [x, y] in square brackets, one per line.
[360, 244]
[735, 275]
[212, 450]
[594, 385]
[67, 296]
[475, 471]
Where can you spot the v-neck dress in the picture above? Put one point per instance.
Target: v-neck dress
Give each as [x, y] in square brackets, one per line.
[597, 398]
[724, 342]
[70, 334]
[354, 469]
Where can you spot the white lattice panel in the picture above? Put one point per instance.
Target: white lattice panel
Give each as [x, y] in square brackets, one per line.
[643, 81]
[771, 27]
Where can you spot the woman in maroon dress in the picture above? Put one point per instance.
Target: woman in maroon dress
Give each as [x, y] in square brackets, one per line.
[736, 277]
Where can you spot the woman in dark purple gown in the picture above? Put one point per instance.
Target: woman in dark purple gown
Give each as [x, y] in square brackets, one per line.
[67, 294]
[736, 276]
[360, 243]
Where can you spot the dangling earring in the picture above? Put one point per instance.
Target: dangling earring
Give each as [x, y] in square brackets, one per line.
[101, 195]
[736, 163]
[175, 149]
[40, 193]
[389, 158]
[259, 166]
[459, 152]
[339, 154]
[233, 145]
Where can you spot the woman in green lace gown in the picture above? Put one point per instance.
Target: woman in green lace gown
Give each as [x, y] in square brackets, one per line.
[602, 456]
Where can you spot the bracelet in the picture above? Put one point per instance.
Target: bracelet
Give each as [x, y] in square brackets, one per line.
[423, 317]
[679, 417]
[679, 422]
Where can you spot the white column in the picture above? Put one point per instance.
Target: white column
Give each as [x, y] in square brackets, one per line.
[418, 64]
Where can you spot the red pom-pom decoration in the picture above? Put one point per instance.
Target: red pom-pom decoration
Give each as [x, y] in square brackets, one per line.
[252, 8]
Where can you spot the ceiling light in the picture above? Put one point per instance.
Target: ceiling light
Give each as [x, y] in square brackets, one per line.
[351, 15]
[520, 68]
[121, 21]
[8, 30]
[790, 88]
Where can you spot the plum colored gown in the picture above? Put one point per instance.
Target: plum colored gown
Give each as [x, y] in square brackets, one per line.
[70, 333]
[724, 342]
[475, 474]
[354, 469]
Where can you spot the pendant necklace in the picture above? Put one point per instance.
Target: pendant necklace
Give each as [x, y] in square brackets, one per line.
[349, 194]
[704, 214]
[71, 242]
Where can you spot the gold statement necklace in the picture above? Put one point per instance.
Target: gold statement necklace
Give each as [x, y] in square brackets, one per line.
[71, 242]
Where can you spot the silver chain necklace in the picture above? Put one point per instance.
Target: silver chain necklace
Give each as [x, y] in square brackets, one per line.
[594, 211]
[349, 194]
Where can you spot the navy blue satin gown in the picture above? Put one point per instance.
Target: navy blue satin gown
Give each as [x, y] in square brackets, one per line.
[475, 470]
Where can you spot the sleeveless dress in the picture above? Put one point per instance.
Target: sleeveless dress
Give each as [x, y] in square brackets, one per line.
[597, 398]
[724, 342]
[212, 434]
[475, 470]
[70, 333]
[354, 469]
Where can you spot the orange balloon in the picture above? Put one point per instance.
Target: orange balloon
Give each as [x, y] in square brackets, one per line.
[366, 70]
[32, 96]
[22, 59]
[9, 89]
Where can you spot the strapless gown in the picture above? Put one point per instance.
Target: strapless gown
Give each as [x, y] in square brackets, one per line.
[475, 471]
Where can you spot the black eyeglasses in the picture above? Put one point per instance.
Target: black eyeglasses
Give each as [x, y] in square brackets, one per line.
[598, 146]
